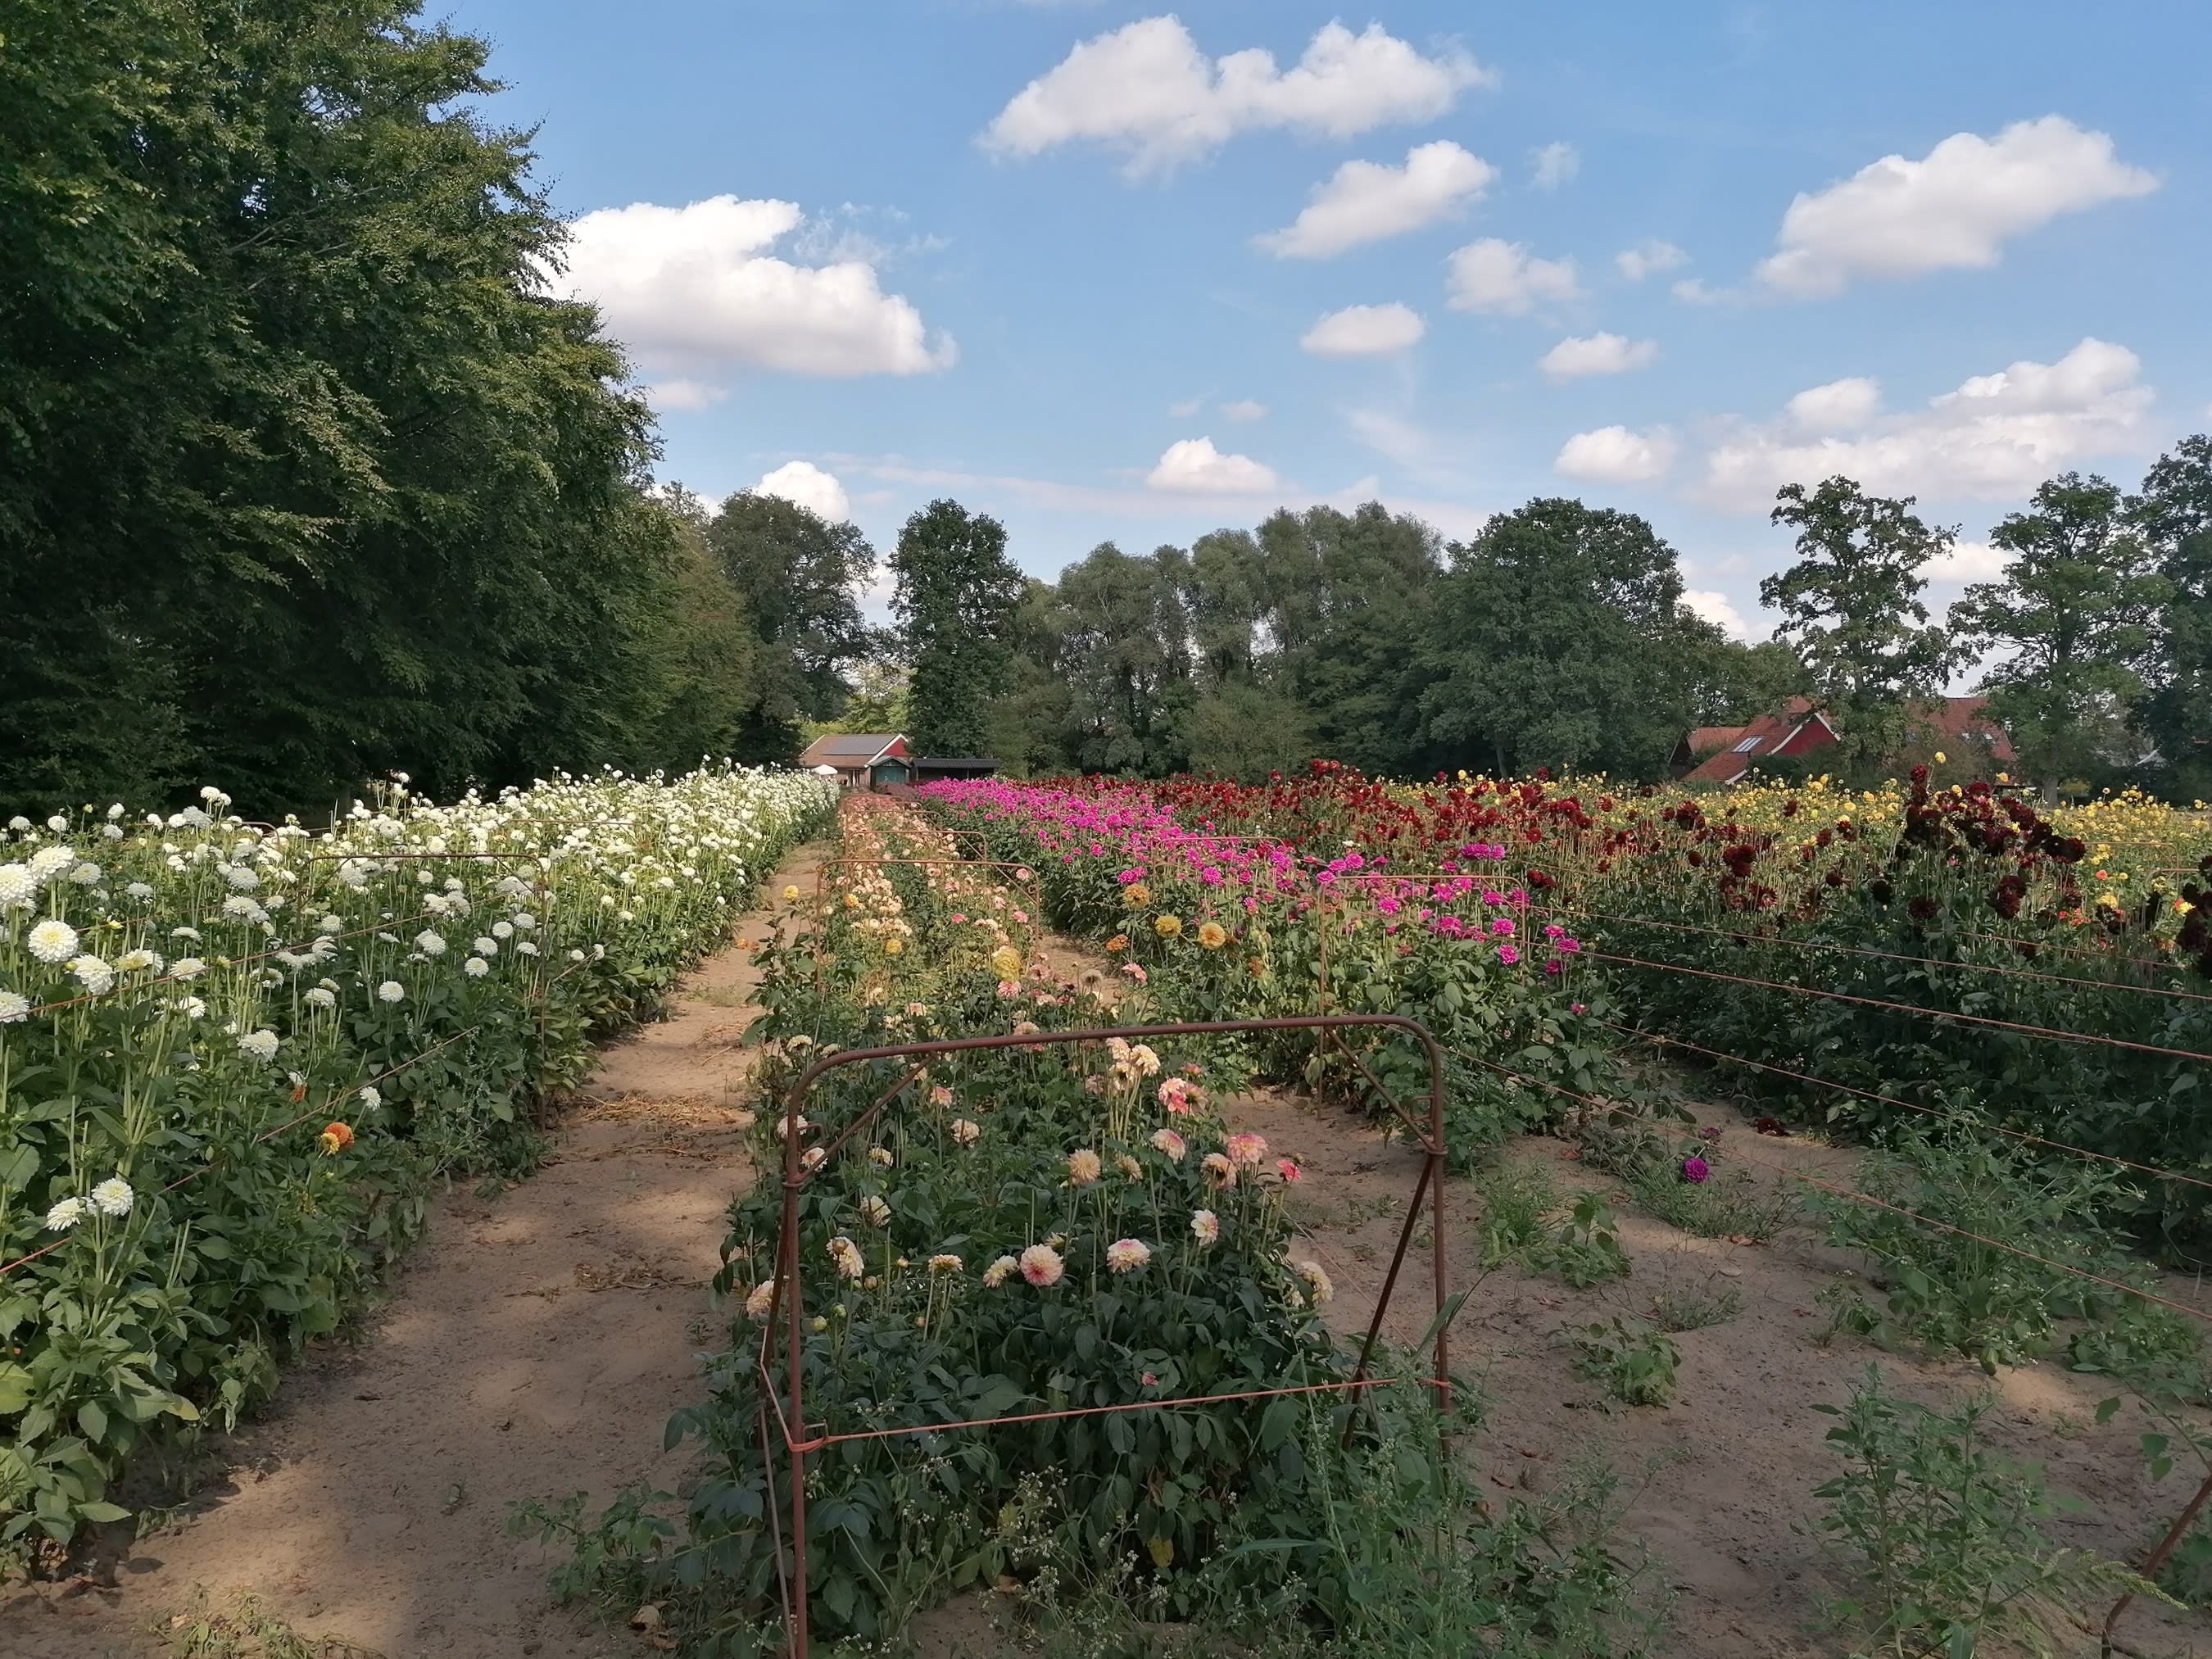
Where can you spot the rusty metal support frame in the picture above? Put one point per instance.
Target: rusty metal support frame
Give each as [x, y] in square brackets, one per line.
[786, 1304]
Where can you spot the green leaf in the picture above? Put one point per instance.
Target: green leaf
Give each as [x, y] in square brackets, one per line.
[93, 1420]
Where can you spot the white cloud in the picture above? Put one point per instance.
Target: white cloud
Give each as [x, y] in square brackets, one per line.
[1503, 278]
[1996, 437]
[1554, 165]
[1367, 201]
[1839, 406]
[681, 394]
[1648, 258]
[1597, 353]
[1184, 408]
[1968, 561]
[1953, 209]
[1719, 610]
[1364, 332]
[1147, 90]
[1613, 454]
[804, 484]
[1245, 409]
[1696, 291]
[694, 293]
[1193, 466]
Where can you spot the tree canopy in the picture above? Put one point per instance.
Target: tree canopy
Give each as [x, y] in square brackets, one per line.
[302, 474]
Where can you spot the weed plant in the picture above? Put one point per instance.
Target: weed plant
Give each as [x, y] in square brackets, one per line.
[1950, 1293]
[1942, 1538]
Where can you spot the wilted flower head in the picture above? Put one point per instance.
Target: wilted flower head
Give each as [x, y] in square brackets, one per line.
[1219, 1171]
[875, 1212]
[1167, 1141]
[762, 1301]
[999, 1272]
[1316, 1280]
[1246, 1150]
[965, 1132]
[847, 1255]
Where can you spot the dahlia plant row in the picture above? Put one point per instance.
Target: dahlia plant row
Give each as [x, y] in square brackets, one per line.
[1965, 898]
[1225, 925]
[232, 1055]
[1021, 1230]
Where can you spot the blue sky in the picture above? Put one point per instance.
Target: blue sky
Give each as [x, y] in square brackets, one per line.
[1070, 262]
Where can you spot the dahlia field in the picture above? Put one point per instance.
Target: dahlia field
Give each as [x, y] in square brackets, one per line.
[1022, 1233]
[1917, 952]
[234, 1056]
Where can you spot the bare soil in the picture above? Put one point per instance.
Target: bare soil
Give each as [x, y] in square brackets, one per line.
[1719, 1484]
[534, 1345]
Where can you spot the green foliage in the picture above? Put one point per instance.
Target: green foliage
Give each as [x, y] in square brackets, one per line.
[2173, 514]
[1524, 1224]
[1851, 606]
[1559, 638]
[2075, 618]
[303, 472]
[1407, 1556]
[1636, 1363]
[798, 576]
[1943, 1540]
[1727, 1204]
[1951, 1292]
[957, 595]
[1693, 1308]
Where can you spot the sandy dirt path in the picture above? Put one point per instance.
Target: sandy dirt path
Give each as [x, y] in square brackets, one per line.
[533, 1345]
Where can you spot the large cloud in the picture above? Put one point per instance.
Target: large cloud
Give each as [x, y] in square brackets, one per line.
[1954, 209]
[1504, 278]
[1147, 90]
[1367, 201]
[1365, 332]
[1613, 454]
[1597, 353]
[695, 294]
[807, 485]
[1195, 467]
[1995, 437]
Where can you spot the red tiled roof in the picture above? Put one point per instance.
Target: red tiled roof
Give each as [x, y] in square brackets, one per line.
[1963, 720]
[1767, 736]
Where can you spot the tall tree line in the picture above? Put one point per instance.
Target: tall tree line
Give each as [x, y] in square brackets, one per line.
[1556, 636]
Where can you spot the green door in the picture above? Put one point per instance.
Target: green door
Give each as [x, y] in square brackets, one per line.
[889, 771]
